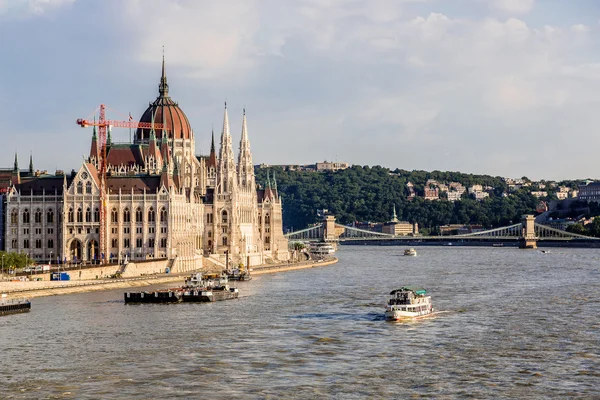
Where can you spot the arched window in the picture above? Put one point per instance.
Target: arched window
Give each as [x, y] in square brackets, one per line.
[151, 215]
[14, 217]
[79, 215]
[139, 217]
[210, 243]
[88, 215]
[114, 217]
[96, 215]
[126, 215]
[26, 216]
[209, 234]
[79, 187]
[50, 216]
[224, 240]
[267, 219]
[163, 215]
[224, 217]
[88, 188]
[38, 216]
[70, 215]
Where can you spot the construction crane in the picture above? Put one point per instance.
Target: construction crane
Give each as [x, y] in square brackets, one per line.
[104, 125]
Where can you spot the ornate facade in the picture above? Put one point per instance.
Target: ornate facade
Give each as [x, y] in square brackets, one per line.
[162, 201]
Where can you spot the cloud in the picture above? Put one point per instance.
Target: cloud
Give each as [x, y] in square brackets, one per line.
[383, 82]
[514, 6]
[25, 8]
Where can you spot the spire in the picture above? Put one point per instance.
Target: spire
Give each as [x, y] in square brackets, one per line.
[394, 216]
[94, 133]
[163, 88]
[152, 131]
[212, 143]
[30, 164]
[274, 181]
[16, 165]
[212, 158]
[226, 171]
[268, 180]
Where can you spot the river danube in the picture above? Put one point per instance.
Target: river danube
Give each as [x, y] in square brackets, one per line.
[512, 324]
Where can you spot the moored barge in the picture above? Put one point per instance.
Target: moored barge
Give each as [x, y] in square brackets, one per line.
[197, 289]
[13, 306]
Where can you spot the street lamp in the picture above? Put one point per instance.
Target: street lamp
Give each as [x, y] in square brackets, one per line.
[50, 259]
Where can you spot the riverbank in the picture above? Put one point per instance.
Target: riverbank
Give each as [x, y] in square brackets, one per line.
[54, 288]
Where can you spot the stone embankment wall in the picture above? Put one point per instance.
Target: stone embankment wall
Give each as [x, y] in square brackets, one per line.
[145, 268]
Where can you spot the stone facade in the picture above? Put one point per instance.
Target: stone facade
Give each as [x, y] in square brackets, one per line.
[161, 201]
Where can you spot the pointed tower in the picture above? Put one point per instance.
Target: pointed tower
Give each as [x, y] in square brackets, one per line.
[16, 173]
[245, 166]
[94, 150]
[163, 87]
[394, 216]
[212, 159]
[30, 164]
[226, 182]
[153, 153]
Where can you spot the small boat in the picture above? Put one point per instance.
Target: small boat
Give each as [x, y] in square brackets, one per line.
[407, 303]
[545, 251]
[13, 306]
[239, 275]
[410, 252]
[497, 244]
[196, 289]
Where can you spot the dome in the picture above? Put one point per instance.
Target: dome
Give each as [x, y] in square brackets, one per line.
[166, 111]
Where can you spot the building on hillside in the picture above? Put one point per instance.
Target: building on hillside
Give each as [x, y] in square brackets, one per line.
[539, 193]
[162, 201]
[590, 191]
[331, 166]
[542, 207]
[431, 193]
[562, 195]
[411, 191]
[399, 228]
[454, 196]
[479, 195]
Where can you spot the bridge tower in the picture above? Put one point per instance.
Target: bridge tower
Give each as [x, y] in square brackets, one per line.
[528, 240]
[329, 228]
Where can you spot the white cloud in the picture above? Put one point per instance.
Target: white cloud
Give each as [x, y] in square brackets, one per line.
[23, 8]
[580, 28]
[514, 6]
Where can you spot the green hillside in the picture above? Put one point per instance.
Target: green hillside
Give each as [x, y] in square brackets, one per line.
[368, 194]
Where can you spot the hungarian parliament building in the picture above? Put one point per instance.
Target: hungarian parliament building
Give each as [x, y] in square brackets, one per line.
[162, 201]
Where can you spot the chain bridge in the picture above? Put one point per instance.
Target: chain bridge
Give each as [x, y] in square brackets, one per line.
[528, 233]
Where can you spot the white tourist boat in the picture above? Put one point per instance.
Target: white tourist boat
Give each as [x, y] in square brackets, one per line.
[410, 252]
[408, 302]
[322, 248]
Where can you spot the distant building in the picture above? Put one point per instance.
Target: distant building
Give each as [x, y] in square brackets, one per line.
[589, 192]
[454, 196]
[480, 195]
[542, 207]
[399, 228]
[411, 190]
[331, 166]
[475, 188]
[431, 193]
[562, 195]
[539, 193]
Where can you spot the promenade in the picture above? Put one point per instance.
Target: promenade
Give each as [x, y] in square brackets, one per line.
[31, 289]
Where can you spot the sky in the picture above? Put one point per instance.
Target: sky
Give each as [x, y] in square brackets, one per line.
[501, 87]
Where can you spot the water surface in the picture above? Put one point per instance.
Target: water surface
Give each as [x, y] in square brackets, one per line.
[514, 324]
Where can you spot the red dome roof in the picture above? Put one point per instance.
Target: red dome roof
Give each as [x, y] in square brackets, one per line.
[166, 112]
